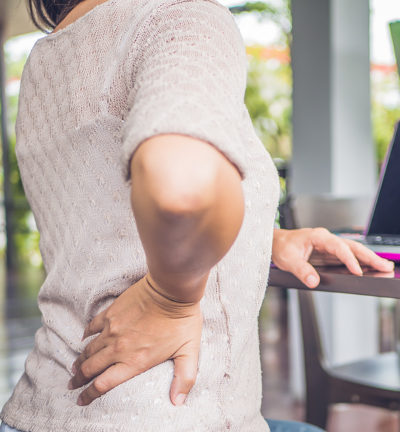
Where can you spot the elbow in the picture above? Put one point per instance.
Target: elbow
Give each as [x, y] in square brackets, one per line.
[188, 191]
[175, 188]
[183, 176]
[185, 201]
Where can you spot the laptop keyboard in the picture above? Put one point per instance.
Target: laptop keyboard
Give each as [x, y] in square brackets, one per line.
[386, 240]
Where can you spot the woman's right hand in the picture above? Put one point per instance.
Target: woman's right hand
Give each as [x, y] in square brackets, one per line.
[140, 329]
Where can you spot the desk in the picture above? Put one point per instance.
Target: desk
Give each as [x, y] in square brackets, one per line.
[337, 279]
[374, 380]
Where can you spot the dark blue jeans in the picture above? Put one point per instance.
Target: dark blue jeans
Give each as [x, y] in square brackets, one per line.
[291, 426]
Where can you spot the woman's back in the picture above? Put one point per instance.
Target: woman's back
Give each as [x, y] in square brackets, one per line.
[90, 93]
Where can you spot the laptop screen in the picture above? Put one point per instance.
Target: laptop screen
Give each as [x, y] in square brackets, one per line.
[385, 218]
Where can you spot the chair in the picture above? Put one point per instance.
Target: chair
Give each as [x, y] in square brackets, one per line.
[373, 381]
[285, 209]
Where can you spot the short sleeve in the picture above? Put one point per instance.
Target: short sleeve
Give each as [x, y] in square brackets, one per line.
[190, 79]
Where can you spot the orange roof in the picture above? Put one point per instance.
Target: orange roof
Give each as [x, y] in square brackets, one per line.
[283, 56]
[386, 69]
[266, 53]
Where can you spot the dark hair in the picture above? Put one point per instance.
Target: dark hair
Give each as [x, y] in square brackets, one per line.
[48, 13]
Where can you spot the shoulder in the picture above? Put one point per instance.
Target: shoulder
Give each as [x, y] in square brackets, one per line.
[193, 8]
[202, 17]
[198, 13]
[156, 7]
[183, 28]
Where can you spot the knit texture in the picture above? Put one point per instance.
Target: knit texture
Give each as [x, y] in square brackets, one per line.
[90, 94]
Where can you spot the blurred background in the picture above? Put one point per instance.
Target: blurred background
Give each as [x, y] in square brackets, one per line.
[323, 94]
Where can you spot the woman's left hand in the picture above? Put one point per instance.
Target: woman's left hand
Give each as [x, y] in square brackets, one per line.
[142, 328]
[292, 249]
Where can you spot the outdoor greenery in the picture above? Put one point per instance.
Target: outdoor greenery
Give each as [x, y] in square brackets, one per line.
[384, 119]
[269, 81]
[268, 99]
[26, 235]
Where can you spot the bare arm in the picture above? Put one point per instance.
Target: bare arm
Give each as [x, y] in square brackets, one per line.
[188, 205]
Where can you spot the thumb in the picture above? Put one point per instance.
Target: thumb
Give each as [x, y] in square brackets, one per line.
[184, 377]
[307, 274]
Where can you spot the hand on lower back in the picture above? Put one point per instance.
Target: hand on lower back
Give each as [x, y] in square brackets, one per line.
[141, 329]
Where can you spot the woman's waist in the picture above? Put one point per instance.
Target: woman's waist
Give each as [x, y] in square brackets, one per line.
[48, 369]
[59, 341]
[141, 403]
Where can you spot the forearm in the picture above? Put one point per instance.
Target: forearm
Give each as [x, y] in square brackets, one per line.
[186, 229]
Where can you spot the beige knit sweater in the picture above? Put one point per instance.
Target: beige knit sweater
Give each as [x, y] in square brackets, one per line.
[90, 94]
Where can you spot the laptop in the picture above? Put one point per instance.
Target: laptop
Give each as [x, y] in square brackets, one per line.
[382, 234]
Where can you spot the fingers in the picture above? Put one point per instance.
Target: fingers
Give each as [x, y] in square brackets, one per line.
[112, 377]
[91, 367]
[95, 326]
[306, 273]
[91, 348]
[184, 376]
[370, 258]
[323, 240]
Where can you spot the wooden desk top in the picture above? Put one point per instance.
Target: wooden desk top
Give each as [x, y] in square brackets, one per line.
[338, 279]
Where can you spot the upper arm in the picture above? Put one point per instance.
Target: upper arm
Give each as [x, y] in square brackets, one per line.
[190, 81]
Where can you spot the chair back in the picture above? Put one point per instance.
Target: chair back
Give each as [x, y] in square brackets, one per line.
[287, 219]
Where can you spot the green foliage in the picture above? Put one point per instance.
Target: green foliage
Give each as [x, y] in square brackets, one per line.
[269, 86]
[383, 120]
[385, 113]
[26, 236]
[278, 12]
[269, 82]
[268, 99]
[395, 33]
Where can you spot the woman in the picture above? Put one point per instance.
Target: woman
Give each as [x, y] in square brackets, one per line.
[155, 201]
